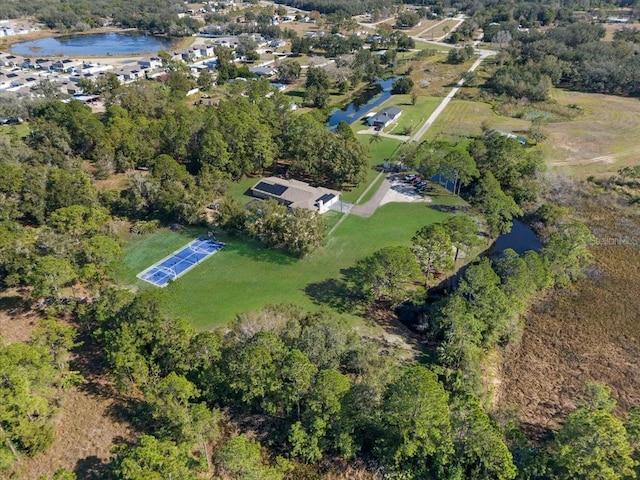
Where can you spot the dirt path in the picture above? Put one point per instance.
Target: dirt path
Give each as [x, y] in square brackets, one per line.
[373, 131]
[578, 162]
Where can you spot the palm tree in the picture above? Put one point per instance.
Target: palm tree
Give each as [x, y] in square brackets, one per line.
[375, 138]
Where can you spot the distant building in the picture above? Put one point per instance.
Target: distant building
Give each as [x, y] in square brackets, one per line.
[263, 71]
[296, 194]
[150, 63]
[384, 117]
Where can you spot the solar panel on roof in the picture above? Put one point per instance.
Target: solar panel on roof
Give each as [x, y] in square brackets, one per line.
[273, 189]
[326, 197]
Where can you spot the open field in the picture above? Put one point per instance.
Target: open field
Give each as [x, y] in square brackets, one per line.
[245, 276]
[441, 29]
[603, 139]
[17, 131]
[587, 333]
[464, 118]
[433, 77]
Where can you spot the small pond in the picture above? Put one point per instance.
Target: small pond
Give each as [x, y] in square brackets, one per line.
[366, 101]
[96, 45]
[520, 239]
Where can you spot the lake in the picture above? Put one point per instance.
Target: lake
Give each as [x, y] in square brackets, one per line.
[366, 101]
[96, 45]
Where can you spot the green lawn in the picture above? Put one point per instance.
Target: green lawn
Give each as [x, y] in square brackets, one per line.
[463, 118]
[377, 181]
[17, 131]
[237, 189]
[412, 115]
[245, 276]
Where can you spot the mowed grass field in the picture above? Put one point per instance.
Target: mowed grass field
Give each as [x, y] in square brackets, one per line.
[246, 276]
[464, 118]
[600, 141]
[413, 116]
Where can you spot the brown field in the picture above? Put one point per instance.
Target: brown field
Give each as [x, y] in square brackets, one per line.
[587, 333]
[425, 24]
[433, 77]
[600, 141]
[117, 181]
[85, 433]
[611, 28]
[17, 319]
[86, 424]
[301, 28]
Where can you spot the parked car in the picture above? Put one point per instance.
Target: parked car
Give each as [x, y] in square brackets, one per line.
[416, 181]
[409, 177]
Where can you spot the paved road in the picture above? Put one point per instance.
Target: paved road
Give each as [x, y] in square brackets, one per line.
[370, 207]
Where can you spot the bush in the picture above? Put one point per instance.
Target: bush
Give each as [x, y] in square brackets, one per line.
[402, 86]
[143, 227]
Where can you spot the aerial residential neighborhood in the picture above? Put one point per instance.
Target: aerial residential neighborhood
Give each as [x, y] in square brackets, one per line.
[319, 240]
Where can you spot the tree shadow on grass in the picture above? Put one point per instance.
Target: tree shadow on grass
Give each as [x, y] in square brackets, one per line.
[336, 293]
[451, 208]
[259, 253]
[135, 412]
[295, 93]
[14, 304]
[91, 468]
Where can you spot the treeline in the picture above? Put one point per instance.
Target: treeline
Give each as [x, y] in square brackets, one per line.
[297, 231]
[313, 393]
[310, 386]
[190, 153]
[351, 7]
[53, 231]
[150, 15]
[571, 56]
[484, 311]
[244, 134]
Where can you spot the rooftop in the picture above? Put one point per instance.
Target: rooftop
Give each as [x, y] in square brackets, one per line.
[294, 193]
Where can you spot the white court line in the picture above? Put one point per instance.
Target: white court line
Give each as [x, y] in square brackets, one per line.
[158, 264]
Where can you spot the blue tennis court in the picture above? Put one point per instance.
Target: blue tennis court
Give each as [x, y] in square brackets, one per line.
[180, 262]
